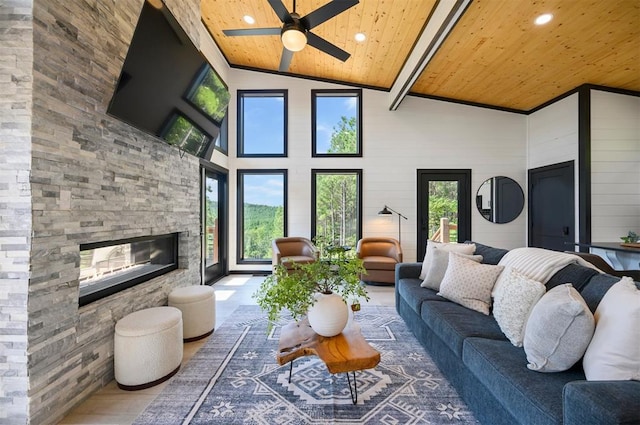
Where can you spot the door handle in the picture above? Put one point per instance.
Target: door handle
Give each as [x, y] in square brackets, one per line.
[565, 230]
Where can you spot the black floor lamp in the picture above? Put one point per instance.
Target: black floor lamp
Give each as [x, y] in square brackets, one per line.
[388, 211]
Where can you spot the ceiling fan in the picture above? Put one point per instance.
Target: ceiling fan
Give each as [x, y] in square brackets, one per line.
[296, 31]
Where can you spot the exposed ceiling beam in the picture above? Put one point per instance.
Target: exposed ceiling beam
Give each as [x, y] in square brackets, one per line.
[441, 22]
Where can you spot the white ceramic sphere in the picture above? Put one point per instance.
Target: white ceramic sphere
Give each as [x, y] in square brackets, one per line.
[329, 315]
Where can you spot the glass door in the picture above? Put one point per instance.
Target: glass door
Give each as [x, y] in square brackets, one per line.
[444, 207]
[213, 225]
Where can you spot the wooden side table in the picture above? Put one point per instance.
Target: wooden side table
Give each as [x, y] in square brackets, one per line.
[346, 352]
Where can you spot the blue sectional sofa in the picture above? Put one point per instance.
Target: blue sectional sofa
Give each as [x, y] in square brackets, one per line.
[491, 374]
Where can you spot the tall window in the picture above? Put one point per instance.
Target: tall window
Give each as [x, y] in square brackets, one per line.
[337, 206]
[336, 122]
[262, 213]
[262, 123]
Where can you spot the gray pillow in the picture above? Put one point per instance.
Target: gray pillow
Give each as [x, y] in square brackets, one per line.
[438, 267]
[558, 330]
[451, 246]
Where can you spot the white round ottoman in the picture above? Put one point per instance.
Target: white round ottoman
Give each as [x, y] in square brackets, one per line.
[198, 306]
[147, 347]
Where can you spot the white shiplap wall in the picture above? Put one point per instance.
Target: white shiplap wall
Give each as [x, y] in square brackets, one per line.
[422, 133]
[615, 165]
[552, 134]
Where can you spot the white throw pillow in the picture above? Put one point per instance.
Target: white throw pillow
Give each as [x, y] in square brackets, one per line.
[438, 267]
[469, 283]
[614, 351]
[513, 302]
[558, 330]
[462, 248]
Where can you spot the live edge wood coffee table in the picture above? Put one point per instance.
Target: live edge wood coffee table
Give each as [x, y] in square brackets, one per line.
[345, 352]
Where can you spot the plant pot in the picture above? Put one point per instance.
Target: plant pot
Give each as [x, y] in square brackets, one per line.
[329, 315]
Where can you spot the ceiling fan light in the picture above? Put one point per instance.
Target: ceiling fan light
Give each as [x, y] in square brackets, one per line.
[293, 37]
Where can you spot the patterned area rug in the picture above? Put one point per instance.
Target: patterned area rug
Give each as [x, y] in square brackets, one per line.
[235, 379]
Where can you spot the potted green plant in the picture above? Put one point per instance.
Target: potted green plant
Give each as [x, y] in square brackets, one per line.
[298, 290]
[631, 237]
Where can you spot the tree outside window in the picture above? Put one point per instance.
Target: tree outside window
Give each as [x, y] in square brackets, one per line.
[336, 122]
[337, 206]
[443, 203]
[261, 213]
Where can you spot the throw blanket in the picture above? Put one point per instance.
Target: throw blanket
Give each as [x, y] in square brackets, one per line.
[541, 264]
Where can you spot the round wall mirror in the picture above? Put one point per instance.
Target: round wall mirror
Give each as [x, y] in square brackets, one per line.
[500, 199]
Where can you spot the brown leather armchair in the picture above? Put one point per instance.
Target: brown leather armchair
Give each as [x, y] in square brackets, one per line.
[380, 256]
[291, 250]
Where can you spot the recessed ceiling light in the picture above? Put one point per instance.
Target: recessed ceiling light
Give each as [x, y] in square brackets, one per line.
[360, 37]
[544, 19]
[249, 19]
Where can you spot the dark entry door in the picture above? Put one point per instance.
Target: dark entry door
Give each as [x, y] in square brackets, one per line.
[443, 194]
[214, 230]
[552, 207]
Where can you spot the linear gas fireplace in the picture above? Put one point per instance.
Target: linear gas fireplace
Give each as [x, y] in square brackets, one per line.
[112, 266]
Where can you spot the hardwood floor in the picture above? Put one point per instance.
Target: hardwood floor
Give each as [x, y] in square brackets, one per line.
[113, 406]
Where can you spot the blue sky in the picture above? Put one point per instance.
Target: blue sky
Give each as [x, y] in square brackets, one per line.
[263, 189]
[263, 125]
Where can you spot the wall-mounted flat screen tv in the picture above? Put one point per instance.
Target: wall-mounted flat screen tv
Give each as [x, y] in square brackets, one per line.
[167, 88]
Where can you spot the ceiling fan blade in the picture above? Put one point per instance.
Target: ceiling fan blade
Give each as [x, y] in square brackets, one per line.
[330, 49]
[253, 31]
[326, 12]
[285, 60]
[280, 10]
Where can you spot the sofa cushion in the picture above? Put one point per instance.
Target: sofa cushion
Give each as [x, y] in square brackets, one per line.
[469, 283]
[578, 276]
[501, 367]
[452, 323]
[597, 403]
[413, 294]
[614, 351]
[379, 263]
[490, 255]
[558, 330]
[451, 247]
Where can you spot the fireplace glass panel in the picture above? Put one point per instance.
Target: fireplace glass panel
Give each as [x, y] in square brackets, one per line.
[109, 267]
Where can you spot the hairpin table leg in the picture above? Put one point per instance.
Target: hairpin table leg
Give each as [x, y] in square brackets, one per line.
[354, 391]
[290, 369]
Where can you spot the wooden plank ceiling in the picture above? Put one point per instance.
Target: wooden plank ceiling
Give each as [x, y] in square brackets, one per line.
[495, 55]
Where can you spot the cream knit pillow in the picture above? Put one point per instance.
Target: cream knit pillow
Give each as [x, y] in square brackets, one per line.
[513, 302]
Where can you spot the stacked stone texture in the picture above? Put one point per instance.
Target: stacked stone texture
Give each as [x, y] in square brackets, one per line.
[93, 178]
[16, 59]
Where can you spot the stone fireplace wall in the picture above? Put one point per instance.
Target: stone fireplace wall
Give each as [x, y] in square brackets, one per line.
[94, 178]
[16, 60]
